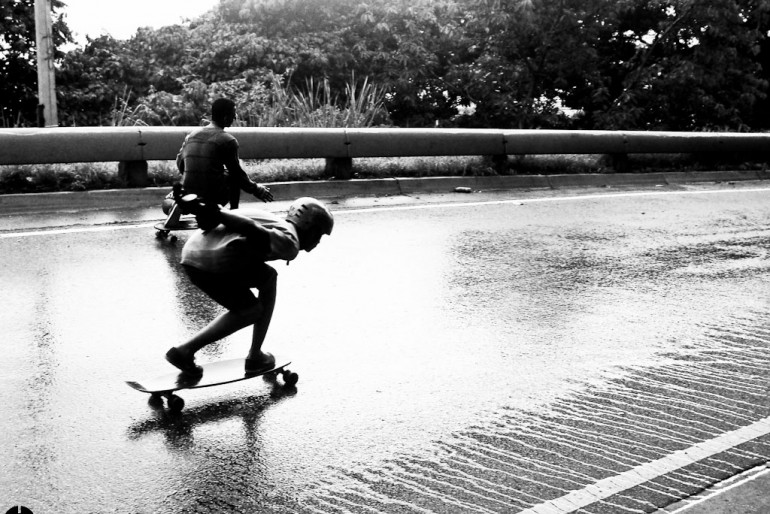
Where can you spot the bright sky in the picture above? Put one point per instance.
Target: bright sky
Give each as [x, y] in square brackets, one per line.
[120, 19]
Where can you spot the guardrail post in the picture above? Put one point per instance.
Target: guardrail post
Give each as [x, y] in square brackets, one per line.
[620, 162]
[500, 164]
[134, 173]
[339, 167]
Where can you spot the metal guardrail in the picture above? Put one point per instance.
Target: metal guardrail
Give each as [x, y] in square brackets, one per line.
[108, 144]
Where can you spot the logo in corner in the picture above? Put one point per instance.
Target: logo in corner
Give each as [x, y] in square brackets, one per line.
[19, 510]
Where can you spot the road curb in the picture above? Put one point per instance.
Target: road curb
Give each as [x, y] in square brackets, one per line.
[607, 179]
[714, 176]
[150, 196]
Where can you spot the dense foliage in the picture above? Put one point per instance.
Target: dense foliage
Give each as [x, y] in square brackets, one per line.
[604, 64]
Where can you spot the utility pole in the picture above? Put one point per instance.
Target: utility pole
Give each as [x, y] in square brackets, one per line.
[47, 115]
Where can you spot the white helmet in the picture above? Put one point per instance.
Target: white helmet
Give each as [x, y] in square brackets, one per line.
[307, 213]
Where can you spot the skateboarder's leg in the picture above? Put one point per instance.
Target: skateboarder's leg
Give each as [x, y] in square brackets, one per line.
[173, 216]
[267, 295]
[222, 326]
[243, 310]
[233, 192]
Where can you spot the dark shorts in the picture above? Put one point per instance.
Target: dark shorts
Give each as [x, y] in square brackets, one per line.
[232, 290]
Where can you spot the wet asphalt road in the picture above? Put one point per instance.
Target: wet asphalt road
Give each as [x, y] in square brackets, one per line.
[473, 353]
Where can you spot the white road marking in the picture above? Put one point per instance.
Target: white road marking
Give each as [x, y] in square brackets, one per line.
[753, 476]
[75, 230]
[644, 473]
[104, 228]
[550, 199]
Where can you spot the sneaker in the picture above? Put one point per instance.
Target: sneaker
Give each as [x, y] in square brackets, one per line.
[185, 364]
[264, 363]
[190, 204]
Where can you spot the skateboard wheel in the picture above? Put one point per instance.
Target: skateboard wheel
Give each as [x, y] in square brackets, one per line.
[172, 238]
[175, 403]
[290, 378]
[155, 400]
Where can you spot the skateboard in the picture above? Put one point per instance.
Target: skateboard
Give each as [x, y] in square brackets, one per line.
[162, 230]
[214, 373]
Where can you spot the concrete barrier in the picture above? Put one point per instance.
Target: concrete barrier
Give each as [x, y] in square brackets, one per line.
[606, 179]
[85, 200]
[410, 186]
[334, 188]
[713, 176]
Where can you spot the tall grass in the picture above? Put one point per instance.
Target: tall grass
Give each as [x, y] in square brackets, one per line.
[317, 106]
[273, 103]
[362, 106]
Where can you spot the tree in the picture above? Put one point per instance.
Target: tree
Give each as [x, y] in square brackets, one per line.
[628, 64]
[676, 65]
[757, 21]
[400, 45]
[518, 58]
[18, 59]
[621, 64]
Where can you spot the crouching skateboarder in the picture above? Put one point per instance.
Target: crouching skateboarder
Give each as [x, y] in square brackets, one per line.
[227, 257]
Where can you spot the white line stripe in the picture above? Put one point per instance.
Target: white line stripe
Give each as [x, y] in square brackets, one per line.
[550, 199]
[644, 473]
[738, 483]
[104, 228]
[75, 230]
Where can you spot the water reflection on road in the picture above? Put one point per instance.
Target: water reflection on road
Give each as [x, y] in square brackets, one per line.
[458, 357]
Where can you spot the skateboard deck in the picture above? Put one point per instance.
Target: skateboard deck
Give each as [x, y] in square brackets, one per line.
[162, 230]
[214, 373]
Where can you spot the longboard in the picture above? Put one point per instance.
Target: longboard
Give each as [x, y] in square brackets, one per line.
[162, 230]
[214, 373]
